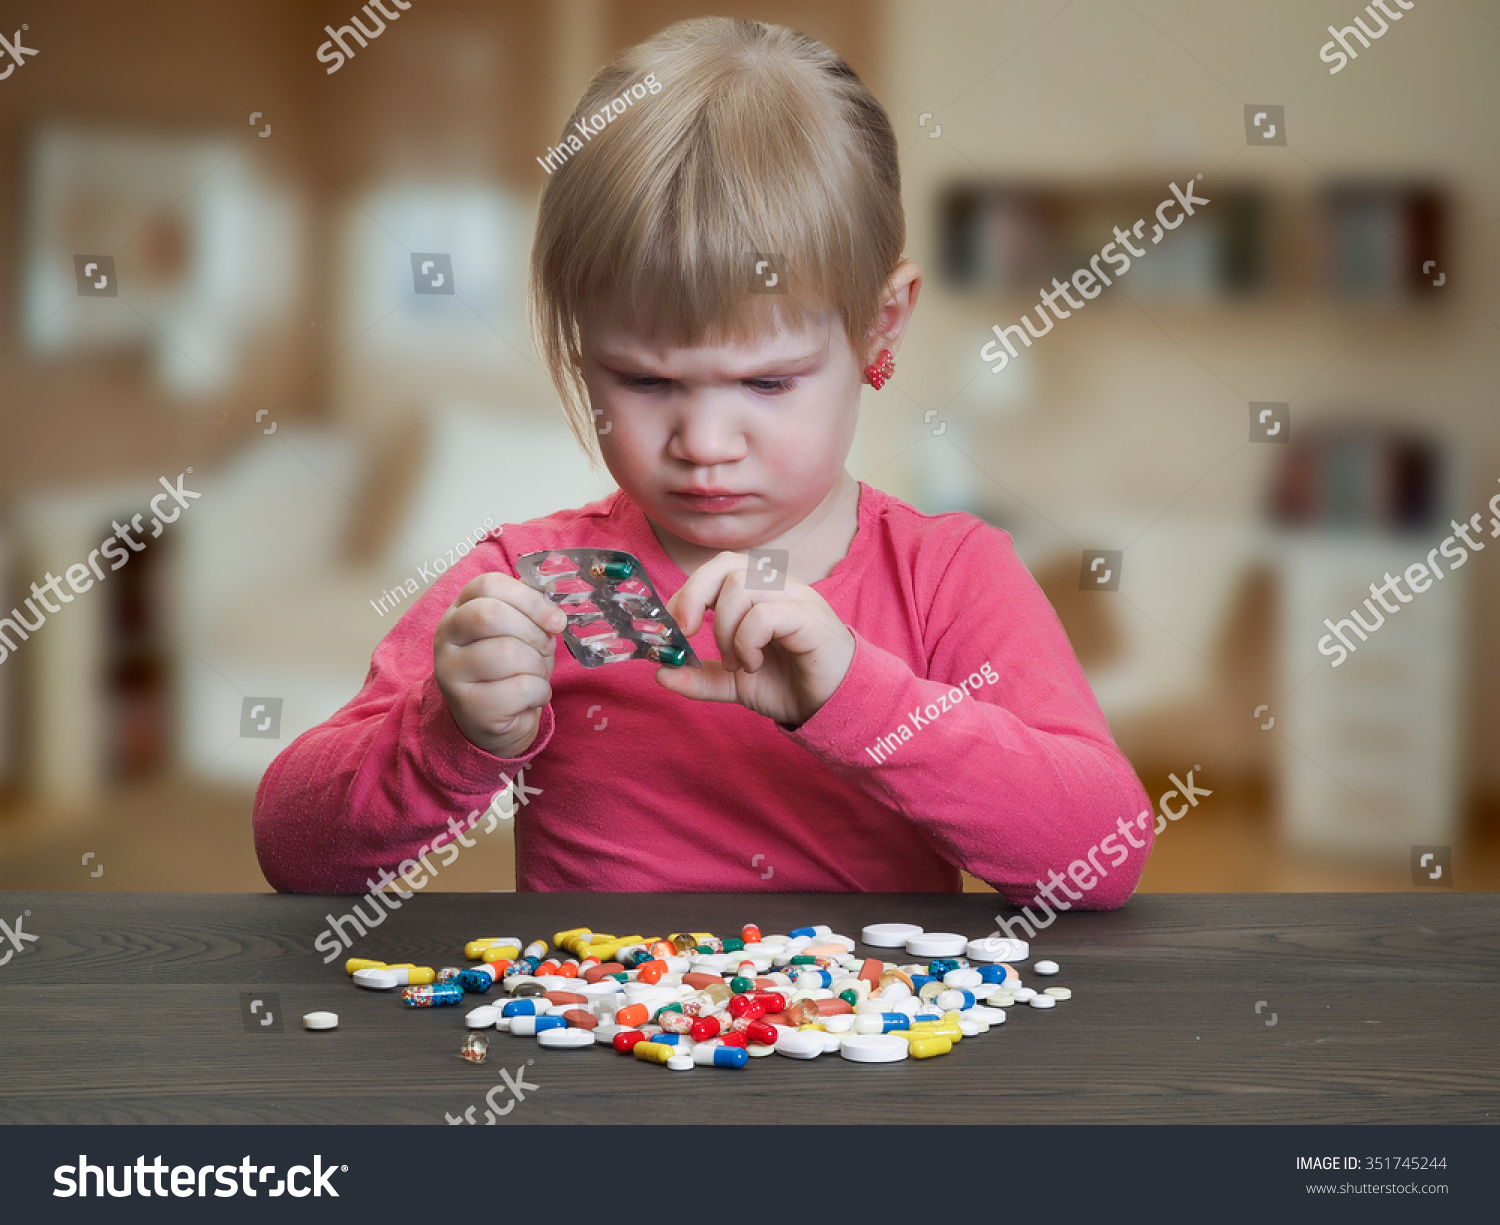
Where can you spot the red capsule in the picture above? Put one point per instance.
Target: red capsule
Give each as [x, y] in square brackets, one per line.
[746, 1006]
[547, 968]
[734, 1038]
[705, 1028]
[625, 1042]
[651, 971]
[772, 1001]
[760, 1032]
[750, 934]
[568, 969]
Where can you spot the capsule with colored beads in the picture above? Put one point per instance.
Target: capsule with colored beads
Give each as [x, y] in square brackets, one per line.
[656, 1052]
[432, 995]
[611, 567]
[717, 1055]
[479, 979]
[448, 974]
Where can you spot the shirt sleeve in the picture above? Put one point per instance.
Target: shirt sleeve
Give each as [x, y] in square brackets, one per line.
[387, 777]
[999, 754]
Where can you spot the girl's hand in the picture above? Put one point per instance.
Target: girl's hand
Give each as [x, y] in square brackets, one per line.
[493, 655]
[783, 652]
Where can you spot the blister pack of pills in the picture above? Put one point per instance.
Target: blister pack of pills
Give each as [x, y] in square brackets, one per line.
[614, 613]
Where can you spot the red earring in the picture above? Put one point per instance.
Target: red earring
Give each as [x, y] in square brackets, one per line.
[881, 371]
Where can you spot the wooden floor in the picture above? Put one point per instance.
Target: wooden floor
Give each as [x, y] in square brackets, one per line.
[177, 836]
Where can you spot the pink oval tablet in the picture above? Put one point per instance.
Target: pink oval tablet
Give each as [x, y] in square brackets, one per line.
[575, 587]
[594, 629]
[825, 950]
[585, 608]
[634, 589]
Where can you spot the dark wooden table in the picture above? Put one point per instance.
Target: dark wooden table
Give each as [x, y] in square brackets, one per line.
[128, 1009]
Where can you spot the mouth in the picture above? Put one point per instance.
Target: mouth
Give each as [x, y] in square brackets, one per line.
[709, 501]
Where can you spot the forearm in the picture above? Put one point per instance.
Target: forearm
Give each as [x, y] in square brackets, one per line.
[1013, 796]
[388, 778]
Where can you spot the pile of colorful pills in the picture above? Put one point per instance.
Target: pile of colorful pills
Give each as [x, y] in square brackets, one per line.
[693, 999]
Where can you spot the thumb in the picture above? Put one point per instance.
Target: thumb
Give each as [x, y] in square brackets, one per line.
[711, 683]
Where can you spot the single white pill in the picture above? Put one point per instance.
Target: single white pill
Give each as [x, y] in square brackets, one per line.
[1024, 995]
[565, 1038]
[483, 1017]
[990, 1016]
[1001, 999]
[605, 1034]
[1058, 993]
[965, 979]
[1046, 967]
[378, 980]
[998, 948]
[756, 1050]
[936, 944]
[972, 1029]
[320, 1020]
[1043, 1001]
[873, 1048]
[840, 1024]
[889, 935]
[681, 1063]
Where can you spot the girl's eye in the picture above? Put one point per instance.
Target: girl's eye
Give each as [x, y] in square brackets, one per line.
[770, 386]
[641, 382]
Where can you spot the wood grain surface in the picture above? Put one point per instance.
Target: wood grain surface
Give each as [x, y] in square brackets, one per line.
[128, 1009]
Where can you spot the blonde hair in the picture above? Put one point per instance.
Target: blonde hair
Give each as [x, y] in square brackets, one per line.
[760, 141]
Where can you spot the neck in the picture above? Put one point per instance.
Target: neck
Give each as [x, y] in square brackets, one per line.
[815, 545]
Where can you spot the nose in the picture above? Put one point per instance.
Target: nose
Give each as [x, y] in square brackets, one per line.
[707, 432]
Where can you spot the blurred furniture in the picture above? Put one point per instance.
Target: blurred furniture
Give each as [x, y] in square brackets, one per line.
[1371, 747]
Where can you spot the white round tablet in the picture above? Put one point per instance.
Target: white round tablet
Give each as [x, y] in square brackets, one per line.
[1046, 967]
[873, 1048]
[681, 1063]
[971, 1029]
[936, 944]
[998, 948]
[1058, 993]
[483, 1017]
[1043, 1001]
[1024, 995]
[964, 979]
[378, 980]
[889, 935]
[755, 1050]
[991, 1016]
[566, 1039]
[840, 1023]
[320, 1020]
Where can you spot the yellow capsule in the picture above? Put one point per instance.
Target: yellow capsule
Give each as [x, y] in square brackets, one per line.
[814, 1025]
[604, 952]
[474, 948]
[927, 1045]
[561, 938]
[656, 1052]
[501, 952]
[363, 963]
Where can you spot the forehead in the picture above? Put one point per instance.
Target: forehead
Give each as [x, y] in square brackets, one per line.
[611, 336]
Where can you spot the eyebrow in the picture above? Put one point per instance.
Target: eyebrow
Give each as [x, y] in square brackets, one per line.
[620, 363]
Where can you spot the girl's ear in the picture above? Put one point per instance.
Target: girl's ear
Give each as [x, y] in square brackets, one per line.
[900, 301]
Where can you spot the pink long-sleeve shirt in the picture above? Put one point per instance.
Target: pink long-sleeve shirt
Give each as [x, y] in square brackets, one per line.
[629, 787]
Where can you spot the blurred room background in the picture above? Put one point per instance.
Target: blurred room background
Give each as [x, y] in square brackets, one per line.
[262, 333]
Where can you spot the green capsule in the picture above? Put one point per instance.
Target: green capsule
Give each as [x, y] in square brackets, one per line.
[621, 977]
[673, 657]
[732, 944]
[703, 948]
[850, 997]
[612, 569]
[667, 1008]
[802, 960]
[741, 986]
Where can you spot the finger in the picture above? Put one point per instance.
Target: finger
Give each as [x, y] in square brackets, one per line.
[710, 683]
[784, 621]
[498, 659]
[510, 590]
[495, 702]
[730, 610]
[491, 617]
[701, 591]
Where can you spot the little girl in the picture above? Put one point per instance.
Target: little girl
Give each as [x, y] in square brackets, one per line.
[717, 269]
